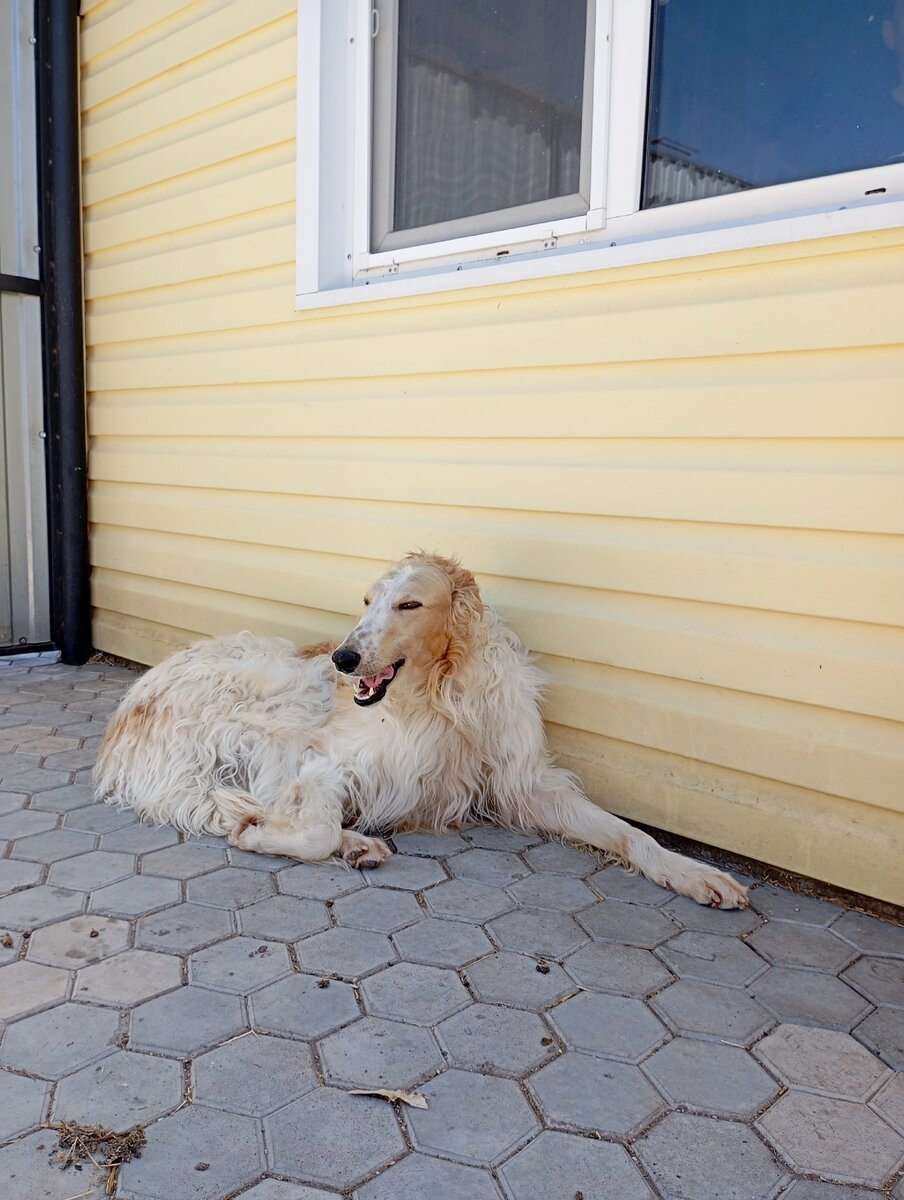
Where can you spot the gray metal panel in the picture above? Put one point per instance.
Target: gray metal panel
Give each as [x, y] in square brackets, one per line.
[18, 161]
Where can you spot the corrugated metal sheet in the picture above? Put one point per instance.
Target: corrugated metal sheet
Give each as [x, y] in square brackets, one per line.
[682, 482]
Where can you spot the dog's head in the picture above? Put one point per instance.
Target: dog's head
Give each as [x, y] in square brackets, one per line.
[418, 626]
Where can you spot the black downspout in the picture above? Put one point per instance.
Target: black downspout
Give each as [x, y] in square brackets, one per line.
[56, 29]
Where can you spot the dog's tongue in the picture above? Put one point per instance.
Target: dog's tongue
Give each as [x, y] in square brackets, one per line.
[373, 681]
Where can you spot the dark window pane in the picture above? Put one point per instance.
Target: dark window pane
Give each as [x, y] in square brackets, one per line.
[749, 93]
[489, 106]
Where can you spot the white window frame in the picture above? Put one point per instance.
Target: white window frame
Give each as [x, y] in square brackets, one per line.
[334, 264]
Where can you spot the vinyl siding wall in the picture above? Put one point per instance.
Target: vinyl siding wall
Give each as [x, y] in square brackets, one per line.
[680, 482]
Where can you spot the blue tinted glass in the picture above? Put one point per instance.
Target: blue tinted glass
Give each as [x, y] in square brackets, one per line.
[747, 93]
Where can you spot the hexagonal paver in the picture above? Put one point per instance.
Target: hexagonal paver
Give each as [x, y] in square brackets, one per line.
[135, 896]
[26, 987]
[821, 1060]
[780, 905]
[128, 978]
[621, 970]
[60, 1040]
[432, 845]
[29, 1172]
[562, 860]
[809, 1189]
[227, 1144]
[254, 1075]
[240, 964]
[319, 881]
[871, 935]
[711, 1078]
[593, 1095]
[350, 953]
[475, 1119]
[11, 801]
[98, 818]
[285, 918]
[522, 982]
[375, 1053]
[183, 861]
[140, 838]
[615, 883]
[39, 906]
[121, 1090]
[419, 1176]
[558, 893]
[442, 943]
[552, 934]
[809, 998]
[230, 887]
[709, 1010]
[183, 928]
[560, 1164]
[698, 1158]
[278, 1189]
[883, 1033]
[304, 1143]
[785, 944]
[838, 1139]
[302, 1007]
[494, 867]
[879, 979]
[696, 916]
[22, 1103]
[467, 900]
[379, 909]
[53, 846]
[18, 874]
[63, 799]
[35, 779]
[611, 1026]
[711, 957]
[495, 837]
[78, 941]
[410, 992]
[186, 1021]
[889, 1101]
[504, 1041]
[92, 870]
[23, 822]
[631, 924]
[406, 872]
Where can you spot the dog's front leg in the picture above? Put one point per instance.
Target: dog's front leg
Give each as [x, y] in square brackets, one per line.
[306, 823]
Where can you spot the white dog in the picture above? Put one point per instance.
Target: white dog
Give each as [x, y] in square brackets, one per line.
[432, 721]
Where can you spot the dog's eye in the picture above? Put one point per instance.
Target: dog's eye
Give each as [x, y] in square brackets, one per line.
[366, 602]
[407, 605]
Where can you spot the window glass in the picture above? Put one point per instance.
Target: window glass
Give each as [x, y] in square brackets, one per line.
[749, 93]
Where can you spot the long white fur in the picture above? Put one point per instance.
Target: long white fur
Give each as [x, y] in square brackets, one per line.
[241, 736]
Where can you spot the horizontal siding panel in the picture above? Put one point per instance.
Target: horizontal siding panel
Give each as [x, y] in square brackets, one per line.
[121, 22]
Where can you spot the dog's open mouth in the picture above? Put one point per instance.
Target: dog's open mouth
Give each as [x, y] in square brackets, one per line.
[372, 688]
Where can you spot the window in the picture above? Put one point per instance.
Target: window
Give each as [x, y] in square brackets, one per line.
[444, 138]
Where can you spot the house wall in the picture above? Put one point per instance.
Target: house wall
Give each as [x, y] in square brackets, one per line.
[679, 481]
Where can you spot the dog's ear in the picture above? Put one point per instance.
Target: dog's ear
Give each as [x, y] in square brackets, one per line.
[467, 607]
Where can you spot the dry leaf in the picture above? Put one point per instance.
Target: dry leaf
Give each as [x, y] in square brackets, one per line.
[415, 1099]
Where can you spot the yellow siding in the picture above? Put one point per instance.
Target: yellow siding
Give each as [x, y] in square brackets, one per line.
[682, 482]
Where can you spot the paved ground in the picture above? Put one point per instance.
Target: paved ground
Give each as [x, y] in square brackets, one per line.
[577, 1032]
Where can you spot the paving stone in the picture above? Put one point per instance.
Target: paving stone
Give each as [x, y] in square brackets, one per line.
[698, 1158]
[27, 986]
[560, 859]
[442, 943]
[332, 1138]
[889, 1101]
[494, 867]
[257, 862]
[709, 1010]
[184, 1022]
[375, 1053]
[78, 941]
[562, 1165]
[49, 746]
[39, 906]
[778, 904]
[838, 1139]
[92, 870]
[615, 883]
[522, 982]
[229, 887]
[433, 845]
[406, 872]
[230, 1146]
[278, 1189]
[284, 918]
[593, 1095]
[140, 838]
[809, 1189]
[182, 861]
[552, 934]
[18, 874]
[611, 1026]
[300, 1007]
[631, 924]
[30, 1173]
[821, 1060]
[184, 928]
[558, 893]
[466, 900]
[71, 760]
[98, 818]
[350, 953]
[378, 909]
[240, 964]
[64, 799]
[319, 881]
[128, 978]
[419, 994]
[136, 896]
[621, 970]
[120, 1091]
[711, 1078]
[704, 919]
[494, 837]
[60, 1040]
[254, 1075]
[871, 935]
[25, 822]
[22, 1103]
[501, 1041]
[35, 779]
[879, 979]
[808, 998]
[11, 802]
[475, 1119]
[883, 1033]
[787, 945]
[419, 1176]
[711, 957]
[52, 846]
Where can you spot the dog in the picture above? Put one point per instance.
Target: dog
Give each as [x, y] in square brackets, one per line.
[427, 716]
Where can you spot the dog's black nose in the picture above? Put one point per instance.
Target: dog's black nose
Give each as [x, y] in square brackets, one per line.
[346, 660]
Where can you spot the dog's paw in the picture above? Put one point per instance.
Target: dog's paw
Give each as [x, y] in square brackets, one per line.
[718, 890]
[364, 853]
[244, 833]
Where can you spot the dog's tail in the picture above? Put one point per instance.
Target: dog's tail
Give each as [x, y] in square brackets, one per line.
[228, 808]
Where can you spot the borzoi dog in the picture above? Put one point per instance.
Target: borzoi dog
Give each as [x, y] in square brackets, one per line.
[427, 716]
